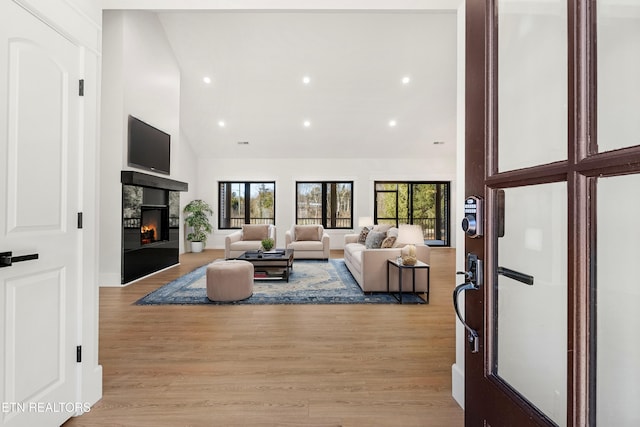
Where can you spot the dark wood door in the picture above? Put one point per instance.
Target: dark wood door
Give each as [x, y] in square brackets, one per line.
[550, 150]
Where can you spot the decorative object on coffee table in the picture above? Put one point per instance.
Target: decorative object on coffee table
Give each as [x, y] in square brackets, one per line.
[268, 244]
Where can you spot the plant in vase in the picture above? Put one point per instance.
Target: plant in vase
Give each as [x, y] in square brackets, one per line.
[267, 244]
[197, 213]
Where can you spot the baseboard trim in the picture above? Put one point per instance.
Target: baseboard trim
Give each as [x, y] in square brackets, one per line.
[457, 384]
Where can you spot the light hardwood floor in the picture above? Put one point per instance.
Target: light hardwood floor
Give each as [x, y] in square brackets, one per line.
[276, 365]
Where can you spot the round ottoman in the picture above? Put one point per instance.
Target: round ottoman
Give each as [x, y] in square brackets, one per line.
[230, 280]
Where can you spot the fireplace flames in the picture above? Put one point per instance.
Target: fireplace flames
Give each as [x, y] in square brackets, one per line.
[152, 227]
[148, 234]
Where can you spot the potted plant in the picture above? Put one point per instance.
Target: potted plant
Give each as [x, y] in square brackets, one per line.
[197, 213]
[267, 244]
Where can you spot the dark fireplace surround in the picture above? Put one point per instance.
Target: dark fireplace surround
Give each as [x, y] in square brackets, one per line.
[150, 224]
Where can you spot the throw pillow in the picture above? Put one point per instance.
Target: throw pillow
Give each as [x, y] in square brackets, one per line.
[388, 242]
[374, 239]
[363, 235]
[255, 232]
[307, 233]
[382, 227]
[393, 232]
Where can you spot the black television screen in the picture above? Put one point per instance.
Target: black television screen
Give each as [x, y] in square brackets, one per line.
[149, 148]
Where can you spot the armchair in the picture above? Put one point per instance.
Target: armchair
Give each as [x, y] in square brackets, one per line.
[247, 239]
[308, 241]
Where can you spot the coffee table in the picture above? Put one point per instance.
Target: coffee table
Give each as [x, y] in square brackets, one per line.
[271, 265]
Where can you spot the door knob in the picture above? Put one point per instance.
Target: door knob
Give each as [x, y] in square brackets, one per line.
[7, 259]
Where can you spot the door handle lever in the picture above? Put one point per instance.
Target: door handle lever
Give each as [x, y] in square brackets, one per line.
[472, 338]
[7, 259]
[527, 279]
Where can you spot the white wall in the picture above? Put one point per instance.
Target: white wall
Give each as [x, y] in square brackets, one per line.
[187, 162]
[111, 146]
[140, 78]
[285, 172]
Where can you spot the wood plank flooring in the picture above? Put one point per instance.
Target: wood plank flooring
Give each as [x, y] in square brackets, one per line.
[276, 365]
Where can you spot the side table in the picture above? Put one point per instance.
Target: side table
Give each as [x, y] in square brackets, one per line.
[401, 267]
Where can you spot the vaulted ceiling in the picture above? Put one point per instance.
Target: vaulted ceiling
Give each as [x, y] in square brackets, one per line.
[322, 84]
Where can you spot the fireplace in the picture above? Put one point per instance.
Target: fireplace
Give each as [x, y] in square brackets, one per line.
[150, 224]
[154, 224]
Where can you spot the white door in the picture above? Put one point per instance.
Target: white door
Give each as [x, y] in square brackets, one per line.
[39, 173]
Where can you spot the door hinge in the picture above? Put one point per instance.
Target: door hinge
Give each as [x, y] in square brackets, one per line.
[79, 354]
[81, 87]
[79, 219]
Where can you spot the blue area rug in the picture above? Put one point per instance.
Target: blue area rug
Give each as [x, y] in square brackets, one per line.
[311, 282]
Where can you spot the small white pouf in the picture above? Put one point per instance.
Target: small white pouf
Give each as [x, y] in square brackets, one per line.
[230, 280]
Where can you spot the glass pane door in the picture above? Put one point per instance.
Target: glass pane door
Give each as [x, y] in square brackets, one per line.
[617, 342]
[618, 32]
[531, 296]
[618, 293]
[532, 83]
[561, 247]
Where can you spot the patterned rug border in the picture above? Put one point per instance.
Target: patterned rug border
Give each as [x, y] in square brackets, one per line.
[352, 294]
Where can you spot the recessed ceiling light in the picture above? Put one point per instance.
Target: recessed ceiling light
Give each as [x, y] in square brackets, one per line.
[406, 80]
[306, 80]
[206, 79]
[392, 123]
[306, 123]
[221, 123]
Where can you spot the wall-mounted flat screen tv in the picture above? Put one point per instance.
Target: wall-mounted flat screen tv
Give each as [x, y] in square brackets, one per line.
[149, 147]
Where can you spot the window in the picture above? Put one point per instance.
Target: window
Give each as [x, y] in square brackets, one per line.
[325, 203]
[423, 203]
[246, 203]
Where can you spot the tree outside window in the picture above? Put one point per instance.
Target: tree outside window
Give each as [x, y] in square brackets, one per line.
[325, 203]
[246, 203]
[422, 203]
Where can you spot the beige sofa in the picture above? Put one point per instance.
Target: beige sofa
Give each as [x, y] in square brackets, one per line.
[369, 266]
[308, 242]
[247, 239]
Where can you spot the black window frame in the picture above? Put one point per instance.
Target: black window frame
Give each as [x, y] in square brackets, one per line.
[324, 192]
[225, 205]
[442, 227]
